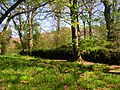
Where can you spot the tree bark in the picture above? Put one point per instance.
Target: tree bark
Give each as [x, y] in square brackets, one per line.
[73, 14]
[78, 27]
[21, 27]
[114, 6]
[3, 48]
[58, 31]
[30, 42]
[84, 29]
[3, 44]
[107, 18]
[90, 24]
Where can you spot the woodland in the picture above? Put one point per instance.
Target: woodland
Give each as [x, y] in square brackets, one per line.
[75, 30]
[47, 44]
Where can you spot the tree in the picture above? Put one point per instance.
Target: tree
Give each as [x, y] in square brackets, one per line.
[5, 41]
[73, 14]
[58, 8]
[26, 36]
[107, 17]
[3, 34]
[9, 10]
[89, 6]
[21, 27]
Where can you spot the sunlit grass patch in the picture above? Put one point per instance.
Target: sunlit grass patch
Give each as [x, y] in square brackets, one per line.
[29, 73]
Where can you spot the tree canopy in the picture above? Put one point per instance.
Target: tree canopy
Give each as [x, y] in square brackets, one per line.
[94, 24]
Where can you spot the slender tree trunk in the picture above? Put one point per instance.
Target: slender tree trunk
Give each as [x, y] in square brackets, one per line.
[90, 23]
[30, 37]
[3, 44]
[30, 42]
[114, 10]
[78, 28]
[3, 48]
[30, 45]
[84, 29]
[58, 30]
[58, 23]
[73, 14]
[107, 18]
[21, 28]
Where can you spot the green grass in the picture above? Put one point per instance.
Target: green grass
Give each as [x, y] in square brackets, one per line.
[29, 73]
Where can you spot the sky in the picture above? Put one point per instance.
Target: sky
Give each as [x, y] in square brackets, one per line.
[46, 25]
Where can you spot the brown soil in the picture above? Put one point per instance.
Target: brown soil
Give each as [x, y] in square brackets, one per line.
[115, 69]
[112, 68]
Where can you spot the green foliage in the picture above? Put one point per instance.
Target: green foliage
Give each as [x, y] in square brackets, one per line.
[69, 5]
[29, 73]
[61, 38]
[99, 50]
[95, 44]
[103, 56]
[2, 1]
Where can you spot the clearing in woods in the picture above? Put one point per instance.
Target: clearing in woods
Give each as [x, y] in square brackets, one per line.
[29, 73]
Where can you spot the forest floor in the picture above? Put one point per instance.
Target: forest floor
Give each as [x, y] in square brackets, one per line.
[29, 73]
[112, 68]
[115, 69]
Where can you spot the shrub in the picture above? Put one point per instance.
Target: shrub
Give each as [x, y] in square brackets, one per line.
[24, 52]
[103, 56]
[62, 53]
[99, 51]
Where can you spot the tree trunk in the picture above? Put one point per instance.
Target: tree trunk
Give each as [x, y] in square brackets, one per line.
[3, 48]
[73, 14]
[90, 24]
[21, 27]
[58, 30]
[84, 29]
[78, 27]
[30, 42]
[107, 18]
[30, 35]
[114, 6]
[3, 44]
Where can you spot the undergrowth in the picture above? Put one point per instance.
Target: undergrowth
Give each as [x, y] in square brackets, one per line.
[29, 73]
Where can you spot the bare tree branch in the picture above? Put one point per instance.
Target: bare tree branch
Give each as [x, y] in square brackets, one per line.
[10, 9]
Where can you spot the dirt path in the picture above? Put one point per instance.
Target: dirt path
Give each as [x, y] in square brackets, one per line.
[112, 68]
[115, 69]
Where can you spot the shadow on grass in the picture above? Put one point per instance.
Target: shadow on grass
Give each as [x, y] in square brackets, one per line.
[30, 73]
[22, 63]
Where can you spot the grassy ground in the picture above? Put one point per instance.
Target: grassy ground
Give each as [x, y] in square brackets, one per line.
[28, 73]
